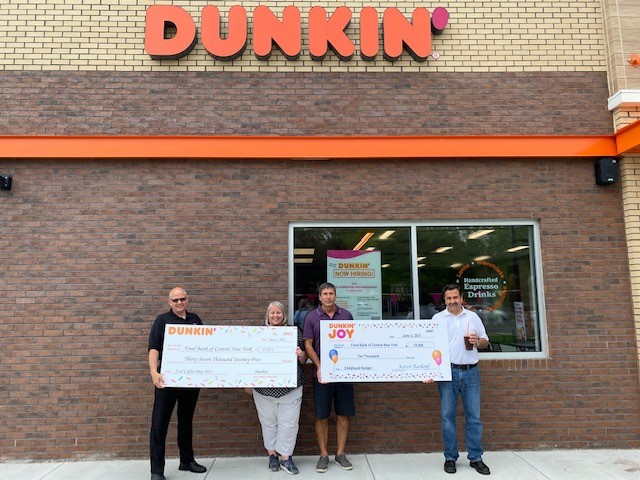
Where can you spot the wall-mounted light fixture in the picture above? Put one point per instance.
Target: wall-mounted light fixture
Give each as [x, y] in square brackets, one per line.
[5, 182]
[634, 60]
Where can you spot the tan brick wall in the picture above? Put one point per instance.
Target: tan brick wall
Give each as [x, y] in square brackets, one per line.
[624, 117]
[622, 36]
[481, 37]
[630, 179]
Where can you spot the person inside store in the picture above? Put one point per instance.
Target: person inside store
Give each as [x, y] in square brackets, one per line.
[326, 394]
[303, 308]
[165, 398]
[279, 408]
[466, 335]
[427, 307]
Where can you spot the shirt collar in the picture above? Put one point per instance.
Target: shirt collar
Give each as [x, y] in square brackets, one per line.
[183, 319]
[321, 312]
[449, 314]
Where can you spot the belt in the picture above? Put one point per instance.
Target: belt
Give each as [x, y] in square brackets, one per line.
[464, 367]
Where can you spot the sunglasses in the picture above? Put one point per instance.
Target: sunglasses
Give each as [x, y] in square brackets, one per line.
[176, 300]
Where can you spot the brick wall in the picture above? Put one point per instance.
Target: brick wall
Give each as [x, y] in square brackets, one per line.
[499, 36]
[358, 103]
[622, 33]
[90, 248]
[630, 181]
[624, 117]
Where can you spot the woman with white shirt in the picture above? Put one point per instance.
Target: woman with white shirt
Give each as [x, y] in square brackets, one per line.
[279, 408]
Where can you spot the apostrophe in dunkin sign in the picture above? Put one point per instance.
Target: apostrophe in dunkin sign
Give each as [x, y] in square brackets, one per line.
[483, 283]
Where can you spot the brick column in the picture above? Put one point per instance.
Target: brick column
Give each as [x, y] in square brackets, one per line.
[622, 37]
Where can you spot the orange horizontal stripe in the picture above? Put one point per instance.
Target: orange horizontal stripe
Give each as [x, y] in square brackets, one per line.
[308, 147]
[628, 138]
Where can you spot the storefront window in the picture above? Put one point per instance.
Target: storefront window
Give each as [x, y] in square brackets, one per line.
[391, 271]
[494, 265]
[315, 247]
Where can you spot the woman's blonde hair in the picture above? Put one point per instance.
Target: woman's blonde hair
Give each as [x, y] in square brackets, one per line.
[281, 307]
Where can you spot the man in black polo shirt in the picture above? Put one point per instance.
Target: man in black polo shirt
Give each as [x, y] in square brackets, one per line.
[166, 397]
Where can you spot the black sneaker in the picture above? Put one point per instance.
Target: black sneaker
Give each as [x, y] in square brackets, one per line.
[274, 464]
[288, 466]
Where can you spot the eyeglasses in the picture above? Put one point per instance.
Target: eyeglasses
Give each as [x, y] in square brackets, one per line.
[176, 300]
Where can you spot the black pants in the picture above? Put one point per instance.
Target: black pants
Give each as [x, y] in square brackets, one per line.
[164, 402]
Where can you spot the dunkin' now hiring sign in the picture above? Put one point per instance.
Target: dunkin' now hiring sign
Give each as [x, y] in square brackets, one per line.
[170, 32]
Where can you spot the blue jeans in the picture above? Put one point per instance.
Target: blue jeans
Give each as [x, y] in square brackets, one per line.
[467, 384]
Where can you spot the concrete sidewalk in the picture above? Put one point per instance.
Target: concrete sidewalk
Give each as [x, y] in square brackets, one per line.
[523, 465]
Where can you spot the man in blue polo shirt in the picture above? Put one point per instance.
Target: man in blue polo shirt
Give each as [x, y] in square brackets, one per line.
[465, 380]
[324, 394]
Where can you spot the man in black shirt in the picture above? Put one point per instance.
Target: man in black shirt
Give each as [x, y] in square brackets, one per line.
[166, 397]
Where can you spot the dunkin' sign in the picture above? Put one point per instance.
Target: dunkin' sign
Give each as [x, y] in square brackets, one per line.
[171, 33]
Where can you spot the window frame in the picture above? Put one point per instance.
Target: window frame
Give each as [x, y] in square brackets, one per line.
[535, 257]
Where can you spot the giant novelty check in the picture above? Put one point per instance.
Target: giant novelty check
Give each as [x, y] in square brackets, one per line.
[214, 356]
[384, 351]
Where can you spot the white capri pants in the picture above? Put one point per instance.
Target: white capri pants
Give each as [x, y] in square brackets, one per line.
[279, 418]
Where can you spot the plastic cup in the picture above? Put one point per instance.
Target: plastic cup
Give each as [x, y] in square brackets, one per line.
[467, 344]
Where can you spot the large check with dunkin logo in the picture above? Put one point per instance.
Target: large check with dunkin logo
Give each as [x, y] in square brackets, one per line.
[217, 356]
[384, 351]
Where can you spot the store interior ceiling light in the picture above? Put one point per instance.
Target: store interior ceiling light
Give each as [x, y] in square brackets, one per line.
[370, 249]
[518, 248]
[304, 251]
[479, 233]
[442, 249]
[420, 258]
[364, 240]
[386, 234]
[455, 265]
[481, 258]
[303, 260]
[385, 265]
[420, 265]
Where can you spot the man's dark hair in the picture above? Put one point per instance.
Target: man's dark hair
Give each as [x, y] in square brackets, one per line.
[326, 285]
[452, 286]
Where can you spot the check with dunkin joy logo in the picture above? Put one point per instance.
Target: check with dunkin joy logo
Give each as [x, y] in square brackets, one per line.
[384, 351]
[220, 356]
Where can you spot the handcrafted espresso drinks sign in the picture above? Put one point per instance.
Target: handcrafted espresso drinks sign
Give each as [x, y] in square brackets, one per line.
[171, 33]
